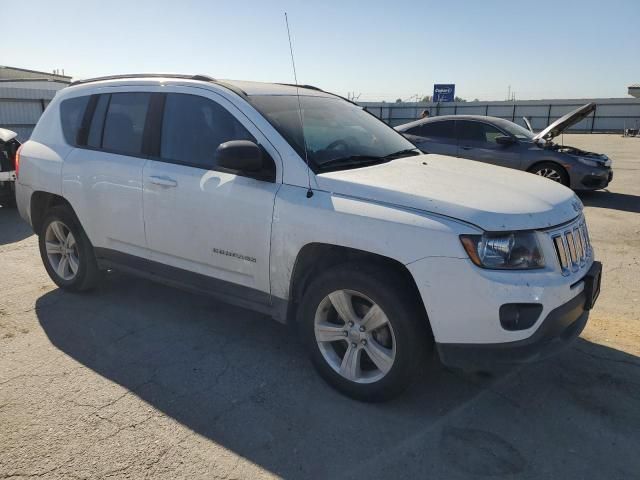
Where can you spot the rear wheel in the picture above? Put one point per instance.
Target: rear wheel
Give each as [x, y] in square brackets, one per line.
[365, 333]
[66, 251]
[552, 171]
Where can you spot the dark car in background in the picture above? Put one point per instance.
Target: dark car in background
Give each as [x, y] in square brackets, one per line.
[504, 143]
[8, 148]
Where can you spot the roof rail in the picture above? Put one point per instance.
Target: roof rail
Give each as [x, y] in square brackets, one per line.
[311, 87]
[203, 78]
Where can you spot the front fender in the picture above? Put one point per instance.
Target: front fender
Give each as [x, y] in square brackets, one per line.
[400, 234]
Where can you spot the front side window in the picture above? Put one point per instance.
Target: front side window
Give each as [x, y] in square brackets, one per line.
[337, 133]
[517, 131]
[478, 132]
[71, 115]
[124, 123]
[193, 127]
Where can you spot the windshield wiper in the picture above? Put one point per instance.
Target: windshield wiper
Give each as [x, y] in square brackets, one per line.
[352, 161]
[366, 160]
[407, 152]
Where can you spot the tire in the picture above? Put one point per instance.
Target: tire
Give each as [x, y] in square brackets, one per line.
[404, 338]
[9, 201]
[59, 222]
[552, 171]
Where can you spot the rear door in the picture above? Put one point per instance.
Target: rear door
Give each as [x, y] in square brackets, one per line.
[102, 177]
[211, 226]
[477, 142]
[437, 136]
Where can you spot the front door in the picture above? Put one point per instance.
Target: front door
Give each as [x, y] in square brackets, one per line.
[476, 141]
[212, 226]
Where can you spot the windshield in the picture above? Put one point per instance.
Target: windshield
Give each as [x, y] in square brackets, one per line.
[338, 134]
[517, 131]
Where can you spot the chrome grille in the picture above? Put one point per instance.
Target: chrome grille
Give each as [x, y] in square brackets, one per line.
[573, 246]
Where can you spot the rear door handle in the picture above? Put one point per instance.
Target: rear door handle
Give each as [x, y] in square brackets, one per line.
[163, 181]
[466, 147]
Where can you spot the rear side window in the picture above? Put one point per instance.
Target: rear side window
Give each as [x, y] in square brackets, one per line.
[124, 123]
[71, 115]
[444, 129]
[193, 127]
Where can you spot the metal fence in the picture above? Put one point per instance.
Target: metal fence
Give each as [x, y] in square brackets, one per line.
[20, 109]
[612, 115]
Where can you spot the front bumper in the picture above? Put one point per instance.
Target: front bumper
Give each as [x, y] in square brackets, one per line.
[463, 303]
[559, 329]
[590, 178]
[9, 176]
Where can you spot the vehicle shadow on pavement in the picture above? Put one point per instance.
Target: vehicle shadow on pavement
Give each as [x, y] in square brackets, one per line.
[611, 200]
[12, 227]
[244, 382]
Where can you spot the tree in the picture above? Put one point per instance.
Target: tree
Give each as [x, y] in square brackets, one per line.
[426, 98]
[398, 100]
[459, 99]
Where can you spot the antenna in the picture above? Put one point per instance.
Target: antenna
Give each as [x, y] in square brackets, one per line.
[304, 141]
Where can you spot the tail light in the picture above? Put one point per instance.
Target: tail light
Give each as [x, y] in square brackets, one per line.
[16, 161]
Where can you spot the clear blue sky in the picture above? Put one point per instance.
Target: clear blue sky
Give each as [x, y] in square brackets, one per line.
[381, 49]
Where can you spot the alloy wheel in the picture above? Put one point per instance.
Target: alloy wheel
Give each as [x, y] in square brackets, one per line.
[62, 250]
[550, 173]
[355, 336]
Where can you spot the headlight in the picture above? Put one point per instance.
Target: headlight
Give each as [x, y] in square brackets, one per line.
[504, 251]
[589, 162]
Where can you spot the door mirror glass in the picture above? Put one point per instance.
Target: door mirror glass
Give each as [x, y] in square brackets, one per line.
[239, 155]
[504, 140]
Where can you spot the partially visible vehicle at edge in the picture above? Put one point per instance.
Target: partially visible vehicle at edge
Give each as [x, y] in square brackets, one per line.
[9, 145]
[377, 252]
[507, 144]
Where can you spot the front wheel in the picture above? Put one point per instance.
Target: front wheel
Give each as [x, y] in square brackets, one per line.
[66, 251]
[552, 171]
[366, 335]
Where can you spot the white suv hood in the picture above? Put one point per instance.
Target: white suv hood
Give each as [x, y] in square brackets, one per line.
[493, 198]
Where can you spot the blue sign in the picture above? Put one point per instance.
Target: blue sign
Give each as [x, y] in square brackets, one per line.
[444, 92]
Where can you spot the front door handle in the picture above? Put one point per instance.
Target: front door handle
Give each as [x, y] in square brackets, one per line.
[466, 147]
[164, 181]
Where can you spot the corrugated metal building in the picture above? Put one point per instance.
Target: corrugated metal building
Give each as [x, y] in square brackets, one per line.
[24, 94]
[14, 73]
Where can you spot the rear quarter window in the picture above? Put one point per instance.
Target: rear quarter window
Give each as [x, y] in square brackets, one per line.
[71, 115]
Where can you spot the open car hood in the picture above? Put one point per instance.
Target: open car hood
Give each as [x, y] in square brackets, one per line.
[564, 122]
[7, 135]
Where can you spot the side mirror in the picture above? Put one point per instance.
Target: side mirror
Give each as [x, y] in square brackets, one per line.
[505, 140]
[240, 155]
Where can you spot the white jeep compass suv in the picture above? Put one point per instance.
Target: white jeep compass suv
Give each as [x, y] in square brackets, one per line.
[310, 210]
